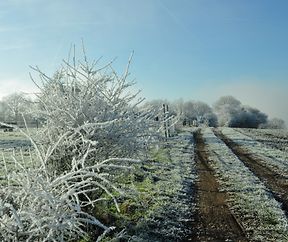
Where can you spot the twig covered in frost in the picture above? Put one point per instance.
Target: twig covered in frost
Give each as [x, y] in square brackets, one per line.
[34, 206]
[97, 107]
[90, 116]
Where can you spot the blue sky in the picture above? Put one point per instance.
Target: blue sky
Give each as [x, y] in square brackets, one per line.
[194, 49]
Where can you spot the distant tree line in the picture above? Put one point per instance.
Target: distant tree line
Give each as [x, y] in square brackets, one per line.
[227, 111]
[16, 107]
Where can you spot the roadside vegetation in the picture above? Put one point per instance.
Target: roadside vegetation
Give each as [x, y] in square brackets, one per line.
[93, 134]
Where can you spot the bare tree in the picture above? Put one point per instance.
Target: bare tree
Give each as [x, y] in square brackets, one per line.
[200, 112]
[15, 107]
[15, 104]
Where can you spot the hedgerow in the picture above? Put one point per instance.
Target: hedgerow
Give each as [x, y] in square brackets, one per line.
[92, 123]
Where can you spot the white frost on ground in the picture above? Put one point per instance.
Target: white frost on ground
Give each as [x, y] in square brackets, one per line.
[279, 133]
[272, 158]
[177, 179]
[254, 206]
[274, 138]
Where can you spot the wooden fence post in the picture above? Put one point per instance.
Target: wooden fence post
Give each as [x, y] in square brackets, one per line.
[166, 122]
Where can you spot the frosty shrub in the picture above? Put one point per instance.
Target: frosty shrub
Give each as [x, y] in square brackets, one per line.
[93, 108]
[231, 113]
[35, 206]
[274, 123]
[92, 121]
[200, 111]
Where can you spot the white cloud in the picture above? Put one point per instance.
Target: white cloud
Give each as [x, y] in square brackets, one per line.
[9, 86]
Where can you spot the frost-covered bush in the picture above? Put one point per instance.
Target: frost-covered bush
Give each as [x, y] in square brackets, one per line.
[38, 206]
[274, 123]
[93, 108]
[91, 118]
[200, 112]
[231, 113]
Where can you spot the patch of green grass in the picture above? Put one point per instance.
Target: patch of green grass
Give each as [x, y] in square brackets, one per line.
[85, 240]
[15, 135]
[160, 155]
[157, 184]
[143, 198]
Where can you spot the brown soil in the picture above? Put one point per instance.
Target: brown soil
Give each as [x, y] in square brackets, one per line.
[273, 181]
[214, 221]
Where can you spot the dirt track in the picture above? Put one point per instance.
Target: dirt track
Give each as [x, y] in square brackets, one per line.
[214, 221]
[275, 182]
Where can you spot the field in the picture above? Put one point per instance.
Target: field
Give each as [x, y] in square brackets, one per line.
[201, 185]
[253, 177]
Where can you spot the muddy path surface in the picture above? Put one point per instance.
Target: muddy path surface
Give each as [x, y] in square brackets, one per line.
[275, 182]
[214, 221]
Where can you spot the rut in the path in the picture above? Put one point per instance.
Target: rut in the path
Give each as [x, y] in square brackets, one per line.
[273, 181]
[214, 221]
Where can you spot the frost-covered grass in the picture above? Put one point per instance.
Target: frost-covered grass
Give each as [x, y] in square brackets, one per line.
[280, 133]
[25, 155]
[13, 145]
[164, 204]
[273, 158]
[14, 135]
[254, 206]
[13, 140]
[275, 138]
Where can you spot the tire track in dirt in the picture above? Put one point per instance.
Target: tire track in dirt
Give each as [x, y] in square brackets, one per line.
[214, 221]
[276, 183]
